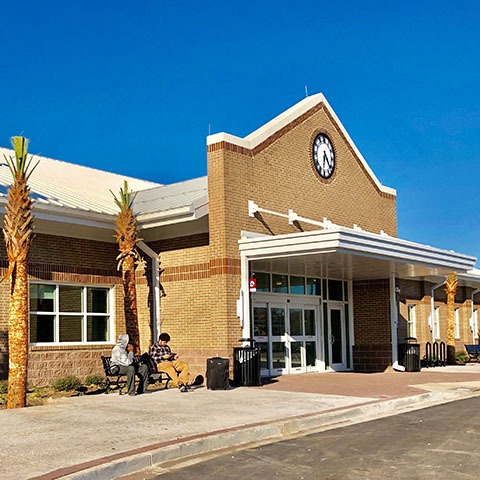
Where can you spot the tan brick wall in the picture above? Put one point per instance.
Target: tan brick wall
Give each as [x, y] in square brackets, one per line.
[202, 272]
[68, 260]
[371, 310]
[419, 294]
[278, 175]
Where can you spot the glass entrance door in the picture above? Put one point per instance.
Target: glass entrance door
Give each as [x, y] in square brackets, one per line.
[302, 338]
[336, 338]
[279, 339]
[287, 337]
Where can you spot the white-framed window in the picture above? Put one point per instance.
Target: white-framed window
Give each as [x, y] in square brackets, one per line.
[70, 314]
[436, 322]
[457, 323]
[411, 323]
[475, 323]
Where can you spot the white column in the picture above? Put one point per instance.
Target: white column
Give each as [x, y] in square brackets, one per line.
[393, 320]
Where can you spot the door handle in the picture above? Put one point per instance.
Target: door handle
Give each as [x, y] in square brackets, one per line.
[331, 339]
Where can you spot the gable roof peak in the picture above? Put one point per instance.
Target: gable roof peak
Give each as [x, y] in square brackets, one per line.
[270, 128]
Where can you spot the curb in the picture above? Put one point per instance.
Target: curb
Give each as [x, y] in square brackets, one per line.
[130, 462]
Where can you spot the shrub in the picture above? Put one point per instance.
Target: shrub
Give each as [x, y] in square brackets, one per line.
[3, 386]
[461, 357]
[69, 382]
[95, 379]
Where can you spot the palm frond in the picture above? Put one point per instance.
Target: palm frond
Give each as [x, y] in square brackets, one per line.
[125, 197]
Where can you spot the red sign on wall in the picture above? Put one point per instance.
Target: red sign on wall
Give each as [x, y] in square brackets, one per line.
[253, 284]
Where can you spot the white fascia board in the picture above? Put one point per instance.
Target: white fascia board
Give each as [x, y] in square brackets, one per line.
[176, 215]
[261, 134]
[345, 240]
[404, 251]
[72, 216]
[226, 137]
[200, 206]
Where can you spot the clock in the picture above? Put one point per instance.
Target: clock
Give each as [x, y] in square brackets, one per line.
[323, 156]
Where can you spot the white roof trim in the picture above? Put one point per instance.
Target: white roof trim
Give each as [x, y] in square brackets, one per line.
[261, 134]
[347, 240]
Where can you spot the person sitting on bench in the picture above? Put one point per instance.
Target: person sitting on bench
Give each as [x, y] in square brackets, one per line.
[168, 362]
[122, 357]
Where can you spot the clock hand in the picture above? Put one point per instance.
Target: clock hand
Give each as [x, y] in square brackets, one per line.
[325, 159]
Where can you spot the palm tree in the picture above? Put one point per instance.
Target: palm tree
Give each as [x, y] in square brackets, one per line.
[18, 232]
[451, 289]
[127, 238]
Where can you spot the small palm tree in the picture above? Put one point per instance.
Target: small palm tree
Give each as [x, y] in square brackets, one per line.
[18, 232]
[451, 289]
[127, 238]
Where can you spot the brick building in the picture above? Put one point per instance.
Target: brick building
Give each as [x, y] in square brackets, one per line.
[293, 207]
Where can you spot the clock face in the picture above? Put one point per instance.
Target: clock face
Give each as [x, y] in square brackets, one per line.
[323, 156]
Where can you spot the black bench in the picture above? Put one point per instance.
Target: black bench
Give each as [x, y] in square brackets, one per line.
[473, 352]
[116, 381]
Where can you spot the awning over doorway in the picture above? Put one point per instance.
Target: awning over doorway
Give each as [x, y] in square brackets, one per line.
[345, 253]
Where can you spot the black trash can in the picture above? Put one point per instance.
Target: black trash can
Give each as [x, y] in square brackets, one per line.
[246, 365]
[409, 356]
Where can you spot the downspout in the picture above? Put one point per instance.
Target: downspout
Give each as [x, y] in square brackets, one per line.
[432, 309]
[471, 318]
[156, 287]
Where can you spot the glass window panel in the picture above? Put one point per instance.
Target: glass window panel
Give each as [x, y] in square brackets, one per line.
[97, 300]
[260, 326]
[278, 321]
[70, 328]
[278, 355]
[411, 321]
[335, 290]
[97, 329]
[263, 281]
[345, 291]
[42, 328]
[313, 286]
[336, 333]
[324, 289]
[297, 285]
[296, 354]
[263, 355]
[279, 283]
[42, 298]
[311, 353]
[70, 298]
[309, 322]
[295, 321]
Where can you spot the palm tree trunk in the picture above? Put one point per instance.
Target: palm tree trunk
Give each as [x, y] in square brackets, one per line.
[18, 337]
[130, 302]
[451, 289]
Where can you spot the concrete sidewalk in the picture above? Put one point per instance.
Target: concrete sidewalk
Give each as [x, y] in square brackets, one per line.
[105, 436]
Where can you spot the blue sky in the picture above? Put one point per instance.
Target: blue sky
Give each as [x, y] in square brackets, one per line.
[133, 88]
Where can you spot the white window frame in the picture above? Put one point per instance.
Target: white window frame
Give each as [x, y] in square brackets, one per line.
[436, 322]
[475, 323]
[56, 314]
[457, 322]
[411, 320]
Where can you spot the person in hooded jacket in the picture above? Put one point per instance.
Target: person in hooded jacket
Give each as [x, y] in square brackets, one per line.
[122, 357]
